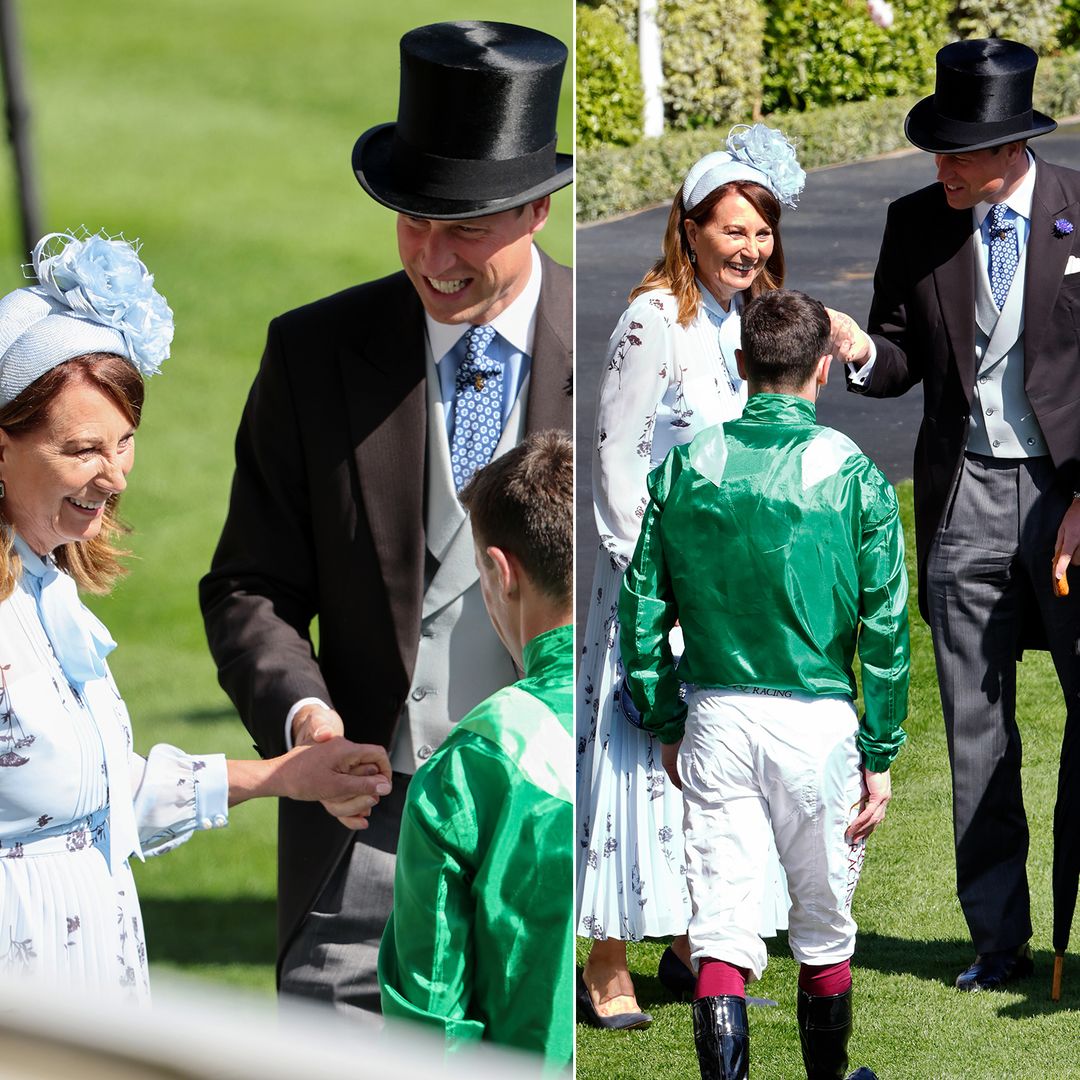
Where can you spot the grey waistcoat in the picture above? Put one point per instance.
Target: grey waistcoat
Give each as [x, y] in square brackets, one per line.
[461, 660]
[1003, 423]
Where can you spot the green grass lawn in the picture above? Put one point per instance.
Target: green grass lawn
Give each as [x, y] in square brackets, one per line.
[221, 134]
[910, 1024]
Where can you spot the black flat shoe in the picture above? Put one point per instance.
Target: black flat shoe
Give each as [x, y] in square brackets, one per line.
[863, 1074]
[995, 970]
[619, 1022]
[675, 976]
[680, 981]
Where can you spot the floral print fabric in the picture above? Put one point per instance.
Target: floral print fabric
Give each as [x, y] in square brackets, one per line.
[63, 916]
[662, 385]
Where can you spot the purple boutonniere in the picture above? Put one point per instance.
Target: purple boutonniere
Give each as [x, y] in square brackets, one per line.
[1062, 227]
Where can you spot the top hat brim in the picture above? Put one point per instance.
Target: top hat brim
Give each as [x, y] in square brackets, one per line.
[371, 160]
[924, 128]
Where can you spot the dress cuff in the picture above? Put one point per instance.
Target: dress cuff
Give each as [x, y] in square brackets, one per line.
[212, 792]
[292, 713]
[177, 794]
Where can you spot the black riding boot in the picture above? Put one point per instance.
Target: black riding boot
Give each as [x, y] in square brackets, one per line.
[824, 1029]
[722, 1037]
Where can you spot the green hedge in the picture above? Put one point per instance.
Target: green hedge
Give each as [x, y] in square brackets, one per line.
[711, 60]
[615, 180]
[625, 11]
[824, 52]
[1034, 22]
[609, 99]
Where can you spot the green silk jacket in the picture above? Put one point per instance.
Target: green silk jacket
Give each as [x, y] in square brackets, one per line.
[778, 547]
[480, 941]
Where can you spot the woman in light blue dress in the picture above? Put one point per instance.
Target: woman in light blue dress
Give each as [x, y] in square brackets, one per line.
[76, 801]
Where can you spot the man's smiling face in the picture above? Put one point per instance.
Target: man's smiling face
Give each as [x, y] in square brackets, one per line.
[980, 175]
[470, 271]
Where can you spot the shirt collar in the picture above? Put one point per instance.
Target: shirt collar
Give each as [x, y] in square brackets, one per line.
[517, 324]
[712, 305]
[32, 562]
[1019, 201]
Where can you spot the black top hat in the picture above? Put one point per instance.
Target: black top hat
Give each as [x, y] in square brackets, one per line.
[982, 98]
[475, 132]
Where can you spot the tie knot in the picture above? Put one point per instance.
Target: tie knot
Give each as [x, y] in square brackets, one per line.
[998, 219]
[477, 341]
[478, 363]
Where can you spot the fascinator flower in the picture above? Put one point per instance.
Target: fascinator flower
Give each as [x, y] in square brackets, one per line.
[102, 279]
[756, 153]
[765, 149]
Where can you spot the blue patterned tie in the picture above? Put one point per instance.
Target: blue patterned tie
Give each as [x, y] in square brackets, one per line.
[1003, 253]
[477, 406]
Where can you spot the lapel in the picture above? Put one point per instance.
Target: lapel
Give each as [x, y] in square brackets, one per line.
[955, 283]
[382, 370]
[1048, 255]
[444, 513]
[550, 401]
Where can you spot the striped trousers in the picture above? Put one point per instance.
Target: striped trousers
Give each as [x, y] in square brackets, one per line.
[988, 575]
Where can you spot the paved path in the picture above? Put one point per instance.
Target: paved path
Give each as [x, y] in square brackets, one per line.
[831, 244]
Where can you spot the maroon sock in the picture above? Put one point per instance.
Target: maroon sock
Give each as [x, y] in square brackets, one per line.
[718, 978]
[825, 981]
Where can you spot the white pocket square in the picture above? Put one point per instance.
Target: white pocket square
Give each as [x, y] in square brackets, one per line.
[1072, 266]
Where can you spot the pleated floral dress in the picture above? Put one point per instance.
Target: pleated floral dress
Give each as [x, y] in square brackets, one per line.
[69, 912]
[662, 385]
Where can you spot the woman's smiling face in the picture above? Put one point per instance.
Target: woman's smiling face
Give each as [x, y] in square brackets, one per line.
[58, 476]
[732, 246]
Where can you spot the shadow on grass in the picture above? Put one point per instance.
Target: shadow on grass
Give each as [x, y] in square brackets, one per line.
[200, 931]
[941, 961]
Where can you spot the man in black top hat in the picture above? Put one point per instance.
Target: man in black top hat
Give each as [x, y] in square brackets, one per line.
[976, 293]
[371, 410]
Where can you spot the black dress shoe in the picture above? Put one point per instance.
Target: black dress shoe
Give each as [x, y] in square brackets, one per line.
[995, 970]
[619, 1022]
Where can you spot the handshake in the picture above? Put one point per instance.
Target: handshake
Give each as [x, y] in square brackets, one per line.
[323, 766]
[355, 775]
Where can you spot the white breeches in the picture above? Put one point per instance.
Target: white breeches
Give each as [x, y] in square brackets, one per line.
[751, 763]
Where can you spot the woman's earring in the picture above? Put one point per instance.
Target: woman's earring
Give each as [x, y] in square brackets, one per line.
[693, 259]
[3, 490]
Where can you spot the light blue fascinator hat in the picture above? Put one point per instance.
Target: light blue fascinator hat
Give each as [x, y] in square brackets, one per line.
[94, 294]
[759, 154]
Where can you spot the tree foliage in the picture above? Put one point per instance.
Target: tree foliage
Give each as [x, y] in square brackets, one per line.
[609, 98]
[711, 59]
[823, 52]
[1034, 22]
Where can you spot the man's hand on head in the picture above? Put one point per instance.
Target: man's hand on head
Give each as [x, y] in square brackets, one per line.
[850, 343]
